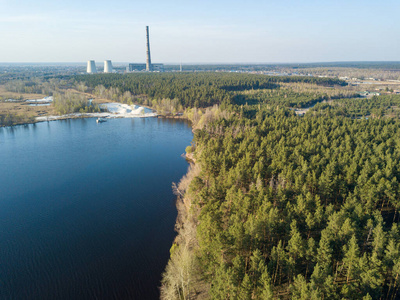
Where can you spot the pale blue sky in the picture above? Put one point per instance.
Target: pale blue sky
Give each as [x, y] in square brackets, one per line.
[200, 31]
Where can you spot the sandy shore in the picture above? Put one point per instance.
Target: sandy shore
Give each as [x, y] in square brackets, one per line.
[115, 110]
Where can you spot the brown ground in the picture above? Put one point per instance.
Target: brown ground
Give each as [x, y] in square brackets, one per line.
[372, 85]
[12, 95]
[22, 108]
[380, 82]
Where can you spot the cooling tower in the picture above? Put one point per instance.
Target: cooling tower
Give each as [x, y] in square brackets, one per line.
[91, 67]
[108, 66]
[148, 60]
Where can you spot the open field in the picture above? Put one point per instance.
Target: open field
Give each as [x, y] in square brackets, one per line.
[96, 99]
[22, 96]
[22, 108]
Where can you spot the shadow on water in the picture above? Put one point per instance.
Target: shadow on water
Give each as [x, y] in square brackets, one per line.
[174, 121]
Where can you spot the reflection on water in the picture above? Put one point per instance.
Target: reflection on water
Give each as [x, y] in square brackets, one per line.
[86, 211]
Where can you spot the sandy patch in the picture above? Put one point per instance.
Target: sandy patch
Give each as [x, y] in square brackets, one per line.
[115, 110]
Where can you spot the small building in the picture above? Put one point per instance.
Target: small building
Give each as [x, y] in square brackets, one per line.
[142, 67]
[157, 67]
[137, 67]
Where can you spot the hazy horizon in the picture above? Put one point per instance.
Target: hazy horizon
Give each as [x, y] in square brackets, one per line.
[207, 32]
[83, 63]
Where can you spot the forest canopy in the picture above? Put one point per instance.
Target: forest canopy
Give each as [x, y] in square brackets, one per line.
[193, 89]
[278, 205]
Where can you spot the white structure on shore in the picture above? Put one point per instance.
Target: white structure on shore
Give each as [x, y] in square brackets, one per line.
[108, 66]
[91, 67]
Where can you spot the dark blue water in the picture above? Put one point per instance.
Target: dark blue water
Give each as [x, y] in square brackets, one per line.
[86, 209]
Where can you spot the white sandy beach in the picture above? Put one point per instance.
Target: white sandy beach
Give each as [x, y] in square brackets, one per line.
[115, 110]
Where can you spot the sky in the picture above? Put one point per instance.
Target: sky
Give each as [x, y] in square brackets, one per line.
[200, 31]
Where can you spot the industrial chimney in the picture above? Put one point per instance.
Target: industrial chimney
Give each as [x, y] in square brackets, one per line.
[91, 67]
[148, 60]
[108, 66]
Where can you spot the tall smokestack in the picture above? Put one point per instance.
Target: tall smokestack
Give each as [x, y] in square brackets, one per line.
[148, 60]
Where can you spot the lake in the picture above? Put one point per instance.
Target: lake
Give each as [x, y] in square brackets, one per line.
[86, 209]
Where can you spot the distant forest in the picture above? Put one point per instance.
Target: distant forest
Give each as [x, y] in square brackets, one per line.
[193, 89]
[384, 65]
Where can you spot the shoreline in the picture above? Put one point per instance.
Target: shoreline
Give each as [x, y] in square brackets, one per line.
[114, 110]
[88, 116]
[33, 115]
[107, 115]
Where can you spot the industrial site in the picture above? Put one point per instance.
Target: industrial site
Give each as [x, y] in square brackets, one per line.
[132, 67]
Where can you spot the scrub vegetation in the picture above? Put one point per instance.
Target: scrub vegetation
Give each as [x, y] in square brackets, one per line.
[66, 103]
[67, 98]
[171, 93]
[10, 119]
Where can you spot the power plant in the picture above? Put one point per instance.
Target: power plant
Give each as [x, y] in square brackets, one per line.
[91, 67]
[148, 66]
[108, 66]
[141, 67]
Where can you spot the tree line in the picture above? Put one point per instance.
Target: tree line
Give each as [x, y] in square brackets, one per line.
[289, 207]
[10, 119]
[192, 89]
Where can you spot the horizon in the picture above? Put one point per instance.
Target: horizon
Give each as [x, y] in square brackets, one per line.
[101, 62]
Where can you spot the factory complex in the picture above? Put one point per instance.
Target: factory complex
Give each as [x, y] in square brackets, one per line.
[133, 67]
